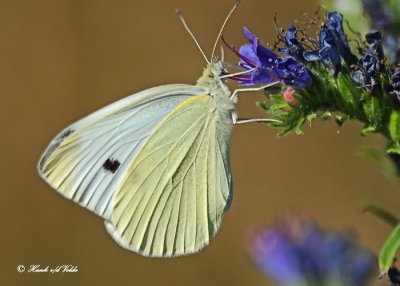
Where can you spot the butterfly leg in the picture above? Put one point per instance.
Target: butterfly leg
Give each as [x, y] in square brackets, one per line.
[233, 97]
[236, 91]
[253, 120]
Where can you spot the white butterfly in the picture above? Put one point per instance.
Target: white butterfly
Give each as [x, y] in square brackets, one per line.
[155, 165]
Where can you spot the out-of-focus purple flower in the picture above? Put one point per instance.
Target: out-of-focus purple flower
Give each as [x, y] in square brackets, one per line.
[335, 25]
[296, 252]
[266, 67]
[293, 47]
[381, 19]
[328, 51]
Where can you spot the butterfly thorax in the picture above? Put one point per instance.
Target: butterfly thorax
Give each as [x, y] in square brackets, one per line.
[216, 88]
[225, 107]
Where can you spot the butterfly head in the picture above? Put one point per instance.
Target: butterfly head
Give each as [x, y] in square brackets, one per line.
[217, 67]
[212, 73]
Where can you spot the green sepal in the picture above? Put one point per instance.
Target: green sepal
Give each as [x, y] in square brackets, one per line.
[373, 112]
[394, 125]
[262, 105]
[340, 119]
[367, 130]
[389, 249]
[290, 116]
[311, 116]
[299, 126]
[393, 148]
[326, 115]
[349, 99]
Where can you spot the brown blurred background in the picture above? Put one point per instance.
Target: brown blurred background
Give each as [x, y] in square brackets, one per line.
[60, 60]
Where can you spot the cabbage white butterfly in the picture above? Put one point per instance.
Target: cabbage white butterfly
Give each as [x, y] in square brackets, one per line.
[154, 165]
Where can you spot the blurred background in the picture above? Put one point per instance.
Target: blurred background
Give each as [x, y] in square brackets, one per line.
[61, 60]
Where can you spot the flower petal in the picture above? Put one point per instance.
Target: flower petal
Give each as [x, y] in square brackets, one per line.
[248, 55]
[311, 56]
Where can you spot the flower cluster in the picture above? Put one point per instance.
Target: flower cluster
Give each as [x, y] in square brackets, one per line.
[296, 252]
[326, 75]
[264, 66]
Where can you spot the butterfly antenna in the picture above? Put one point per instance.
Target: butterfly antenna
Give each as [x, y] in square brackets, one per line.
[223, 26]
[180, 16]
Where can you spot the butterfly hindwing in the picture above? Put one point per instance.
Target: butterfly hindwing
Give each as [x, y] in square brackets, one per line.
[87, 160]
[172, 197]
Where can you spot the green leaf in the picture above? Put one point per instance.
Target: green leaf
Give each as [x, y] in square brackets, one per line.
[380, 213]
[381, 158]
[389, 249]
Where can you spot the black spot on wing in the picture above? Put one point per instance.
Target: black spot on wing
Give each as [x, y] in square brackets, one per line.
[53, 146]
[111, 165]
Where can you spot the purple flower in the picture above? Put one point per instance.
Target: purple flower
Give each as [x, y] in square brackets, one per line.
[293, 47]
[297, 252]
[369, 65]
[328, 51]
[332, 44]
[335, 25]
[266, 67]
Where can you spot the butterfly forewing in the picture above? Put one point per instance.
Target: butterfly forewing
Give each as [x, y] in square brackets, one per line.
[87, 161]
[172, 197]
